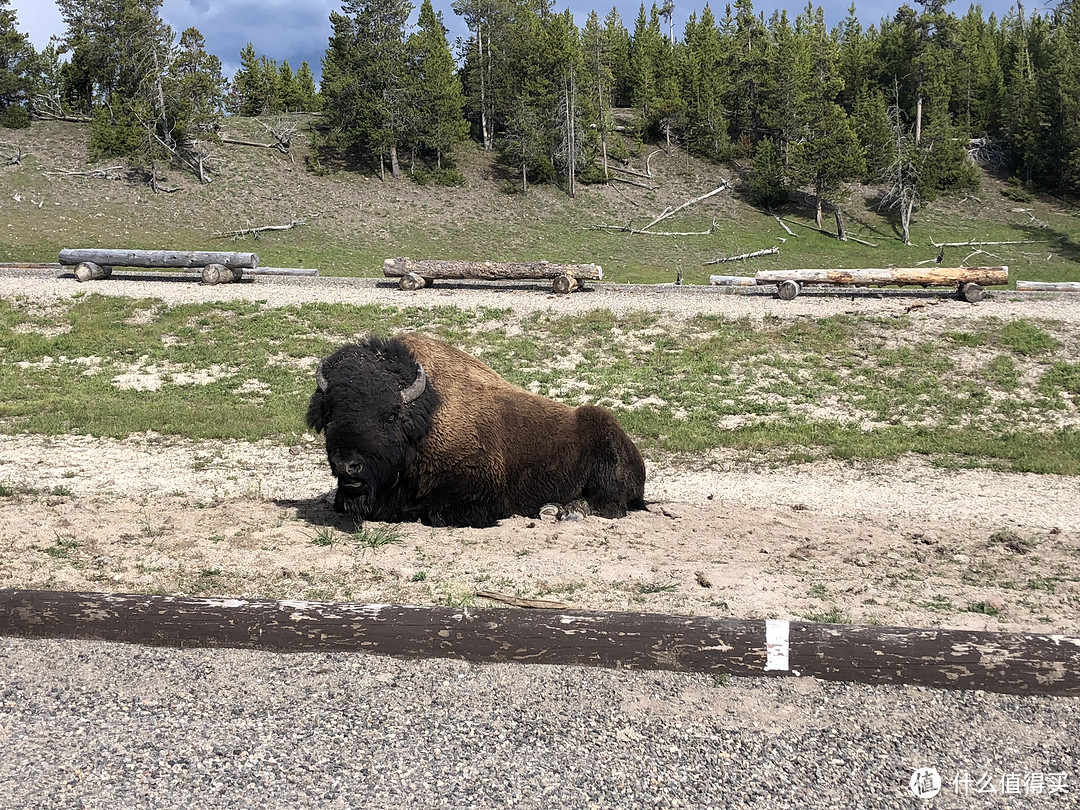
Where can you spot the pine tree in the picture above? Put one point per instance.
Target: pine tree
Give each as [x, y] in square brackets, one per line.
[364, 93]
[599, 78]
[705, 78]
[618, 49]
[1066, 73]
[16, 64]
[766, 185]
[437, 99]
[305, 88]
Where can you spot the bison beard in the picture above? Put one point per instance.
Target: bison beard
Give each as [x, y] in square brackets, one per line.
[417, 430]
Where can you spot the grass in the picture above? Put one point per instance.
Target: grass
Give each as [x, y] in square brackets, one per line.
[375, 538]
[849, 387]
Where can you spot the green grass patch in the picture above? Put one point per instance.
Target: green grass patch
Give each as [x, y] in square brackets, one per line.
[849, 387]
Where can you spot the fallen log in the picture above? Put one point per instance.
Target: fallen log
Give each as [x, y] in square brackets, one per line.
[1048, 286]
[766, 252]
[732, 281]
[1011, 663]
[899, 276]
[158, 258]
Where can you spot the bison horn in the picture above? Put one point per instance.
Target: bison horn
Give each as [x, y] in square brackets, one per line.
[320, 378]
[411, 393]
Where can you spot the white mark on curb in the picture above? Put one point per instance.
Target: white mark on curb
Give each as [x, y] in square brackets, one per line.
[776, 645]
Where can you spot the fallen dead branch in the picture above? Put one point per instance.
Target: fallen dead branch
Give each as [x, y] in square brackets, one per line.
[975, 243]
[785, 227]
[631, 230]
[109, 173]
[632, 183]
[257, 230]
[766, 252]
[830, 233]
[669, 211]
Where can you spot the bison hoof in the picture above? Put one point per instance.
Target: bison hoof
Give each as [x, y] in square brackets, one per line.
[549, 512]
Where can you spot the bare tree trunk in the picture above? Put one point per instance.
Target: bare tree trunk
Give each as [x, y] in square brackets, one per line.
[841, 234]
[524, 179]
[818, 216]
[905, 217]
[918, 119]
[382, 168]
[485, 123]
[395, 169]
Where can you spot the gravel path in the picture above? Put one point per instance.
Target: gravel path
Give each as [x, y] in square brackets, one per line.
[526, 298]
[94, 725]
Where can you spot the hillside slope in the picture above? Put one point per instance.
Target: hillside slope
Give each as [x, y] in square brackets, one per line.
[353, 221]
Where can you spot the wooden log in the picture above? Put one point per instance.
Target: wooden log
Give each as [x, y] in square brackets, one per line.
[874, 277]
[972, 293]
[411, 281]
[1048, 286]
[788, 290]
[87, 271]
[488, 271]
[220, 274]
[158, 258]
[562, 285]
[1014, 663]
[732, 281]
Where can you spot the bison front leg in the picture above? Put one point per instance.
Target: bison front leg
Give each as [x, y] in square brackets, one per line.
[475, 514]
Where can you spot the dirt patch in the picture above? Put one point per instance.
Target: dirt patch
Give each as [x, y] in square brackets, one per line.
[896, 544]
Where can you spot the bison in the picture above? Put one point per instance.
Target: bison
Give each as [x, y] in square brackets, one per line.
[417, 430]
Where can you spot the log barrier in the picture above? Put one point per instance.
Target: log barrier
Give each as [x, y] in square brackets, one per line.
[1012, 663]
[158, 258]
[414, 274]
[1048, 286]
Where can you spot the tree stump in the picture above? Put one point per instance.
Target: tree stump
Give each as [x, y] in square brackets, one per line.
[85, 271]
[413, 281]
[220, 274]
[972, 293]
[564, 284]
[788, 290]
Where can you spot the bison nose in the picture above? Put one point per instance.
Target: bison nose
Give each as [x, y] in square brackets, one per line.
[348, 469]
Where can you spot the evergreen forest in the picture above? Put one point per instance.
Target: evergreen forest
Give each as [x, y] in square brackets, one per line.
[917, 103]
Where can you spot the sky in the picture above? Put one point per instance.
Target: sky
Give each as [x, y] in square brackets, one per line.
[296, 30]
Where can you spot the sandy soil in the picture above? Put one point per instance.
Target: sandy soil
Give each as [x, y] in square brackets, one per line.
[902, 543]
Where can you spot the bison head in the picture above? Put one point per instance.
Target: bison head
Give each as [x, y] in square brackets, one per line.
[374, 404]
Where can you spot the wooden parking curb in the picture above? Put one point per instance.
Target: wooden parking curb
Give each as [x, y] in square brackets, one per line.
[1013, 663]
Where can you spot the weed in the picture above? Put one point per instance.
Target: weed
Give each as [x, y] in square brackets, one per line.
[831, 616]
[1012, 541]
[418, 576]
[819, 591]
[6, 490]
[375, 538]
[644, 588]
[61, 491]
[984, 608]
[324, 537]
[721, 679]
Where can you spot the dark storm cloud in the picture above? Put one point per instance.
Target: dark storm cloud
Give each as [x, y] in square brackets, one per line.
[295, 31]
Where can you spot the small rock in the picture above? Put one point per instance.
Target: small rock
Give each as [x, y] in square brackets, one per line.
[702, 580]
[961, 558]
[294, 450]
[996, 603]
